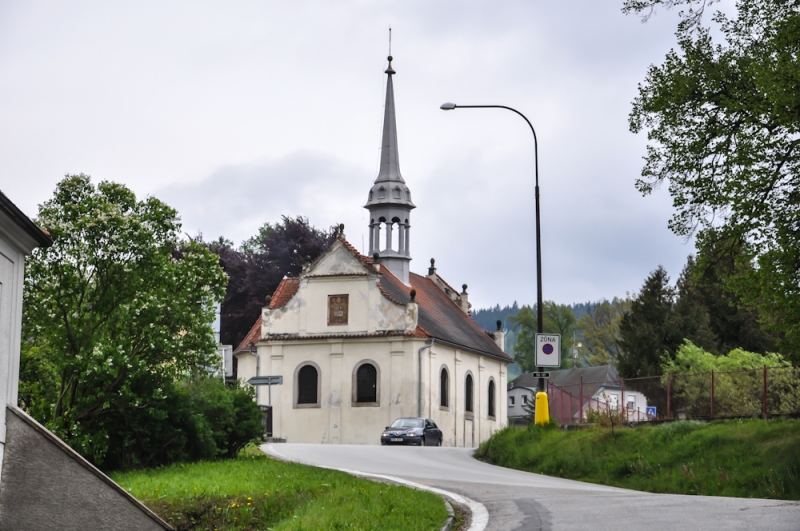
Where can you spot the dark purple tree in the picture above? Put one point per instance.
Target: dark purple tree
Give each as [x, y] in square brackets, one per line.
[257, 268]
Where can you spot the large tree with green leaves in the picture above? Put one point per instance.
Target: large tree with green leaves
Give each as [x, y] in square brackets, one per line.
[599, 332]
[119, 306]
[723, 123]
[647, 331]
[558, 319]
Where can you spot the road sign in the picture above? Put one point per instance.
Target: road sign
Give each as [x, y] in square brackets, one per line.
[540, 374]
[266, 380]
[651, 412]
[548, 350]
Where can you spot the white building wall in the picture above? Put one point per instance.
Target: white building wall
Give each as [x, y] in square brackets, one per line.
[339, 419]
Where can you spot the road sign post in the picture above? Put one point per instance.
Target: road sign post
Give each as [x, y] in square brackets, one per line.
[548, 350]
[269, 381]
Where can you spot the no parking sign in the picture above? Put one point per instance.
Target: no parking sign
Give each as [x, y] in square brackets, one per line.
[548, 350]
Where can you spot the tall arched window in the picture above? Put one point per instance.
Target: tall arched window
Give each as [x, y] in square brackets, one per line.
[366, 383]
[444, 388]
[468, 394]
[491, 398]
[307, 385]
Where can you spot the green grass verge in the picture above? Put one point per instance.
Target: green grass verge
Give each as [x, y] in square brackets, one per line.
[254, 492]
[744, 458]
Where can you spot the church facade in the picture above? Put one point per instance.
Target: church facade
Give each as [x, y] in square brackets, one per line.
[361, 340]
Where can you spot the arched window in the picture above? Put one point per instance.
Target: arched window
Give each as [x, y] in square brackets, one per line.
[491, 398]
[444, 388]
[468, 395]
[396, 193]
[366, 384]
[307, 385]
[381, 192]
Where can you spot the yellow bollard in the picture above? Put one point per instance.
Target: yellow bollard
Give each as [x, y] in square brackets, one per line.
[542, 414]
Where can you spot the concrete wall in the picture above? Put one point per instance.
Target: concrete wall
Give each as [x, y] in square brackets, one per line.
[47, 485]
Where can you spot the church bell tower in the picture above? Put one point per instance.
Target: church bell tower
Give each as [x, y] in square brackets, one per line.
[389, 202]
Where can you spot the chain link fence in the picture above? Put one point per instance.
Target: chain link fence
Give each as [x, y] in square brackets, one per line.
[765, 392]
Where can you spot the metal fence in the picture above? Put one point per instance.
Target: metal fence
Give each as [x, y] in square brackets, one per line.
[765, 392]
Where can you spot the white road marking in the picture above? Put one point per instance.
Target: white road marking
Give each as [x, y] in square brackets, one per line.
[480, 516]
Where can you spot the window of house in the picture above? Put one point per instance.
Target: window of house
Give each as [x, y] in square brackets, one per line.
[468, 394]
[524, 399]
[511, 401]
[631, 403]
[307, 380]
[337, 309]
[491, 398]
[366, 383]
[444, 388]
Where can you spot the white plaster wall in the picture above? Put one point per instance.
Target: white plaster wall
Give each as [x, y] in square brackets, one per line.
[338, 420]
[15, 244]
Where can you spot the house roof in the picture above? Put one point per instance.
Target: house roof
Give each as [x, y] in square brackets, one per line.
[284, 292]
[252, 336]
[24, 222]
[570, 379]
[439, 317]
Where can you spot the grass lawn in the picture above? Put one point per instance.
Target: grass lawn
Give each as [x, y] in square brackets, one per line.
[256, 492]
[745, 458]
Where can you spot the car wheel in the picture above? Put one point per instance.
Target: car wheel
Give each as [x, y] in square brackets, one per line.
[440, 442]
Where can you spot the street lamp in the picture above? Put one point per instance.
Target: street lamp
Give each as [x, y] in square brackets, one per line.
[539, 321]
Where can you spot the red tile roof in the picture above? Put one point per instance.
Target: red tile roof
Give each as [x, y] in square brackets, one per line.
[367, 260]
[252, 336]
[439, 316]
[285, 291]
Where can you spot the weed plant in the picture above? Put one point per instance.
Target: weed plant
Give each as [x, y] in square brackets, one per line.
[254, 492]
[743, 458]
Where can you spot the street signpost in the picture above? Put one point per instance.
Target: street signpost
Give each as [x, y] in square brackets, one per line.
[651, 412]
[548, 350]
[269, 381]
[540, 374]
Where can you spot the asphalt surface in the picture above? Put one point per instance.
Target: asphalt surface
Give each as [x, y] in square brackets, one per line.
[518, 500]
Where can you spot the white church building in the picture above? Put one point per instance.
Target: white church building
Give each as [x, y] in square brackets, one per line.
[361, 340]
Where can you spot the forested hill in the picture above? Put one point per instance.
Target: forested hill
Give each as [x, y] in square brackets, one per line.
[487, 317]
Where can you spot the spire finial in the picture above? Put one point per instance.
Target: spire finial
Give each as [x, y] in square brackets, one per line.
[390, 70]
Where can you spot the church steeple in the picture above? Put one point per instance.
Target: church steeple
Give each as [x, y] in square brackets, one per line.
[389, 201]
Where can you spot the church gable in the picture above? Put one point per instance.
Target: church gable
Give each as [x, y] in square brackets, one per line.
[337, 260]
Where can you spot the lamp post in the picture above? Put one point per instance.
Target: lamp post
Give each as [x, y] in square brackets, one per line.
[539, 321]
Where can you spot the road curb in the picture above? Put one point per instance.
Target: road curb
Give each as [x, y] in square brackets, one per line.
[480, 516]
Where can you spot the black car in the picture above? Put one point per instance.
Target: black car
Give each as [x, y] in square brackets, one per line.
[416, 431]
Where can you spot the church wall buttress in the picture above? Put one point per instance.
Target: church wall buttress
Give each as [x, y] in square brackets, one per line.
[335, 398]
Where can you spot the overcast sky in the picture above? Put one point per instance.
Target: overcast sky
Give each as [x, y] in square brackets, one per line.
[236, 113]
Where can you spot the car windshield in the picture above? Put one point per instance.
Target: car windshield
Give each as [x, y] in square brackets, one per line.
[407, 423]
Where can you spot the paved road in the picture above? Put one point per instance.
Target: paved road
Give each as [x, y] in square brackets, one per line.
[523, 501]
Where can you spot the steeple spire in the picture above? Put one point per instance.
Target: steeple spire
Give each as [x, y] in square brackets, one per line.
[390, 162]
[389, 202]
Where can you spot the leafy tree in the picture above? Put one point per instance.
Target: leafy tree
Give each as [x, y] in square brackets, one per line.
[723, 121]
[647, 331]
[599, 331]
[710, 314]
[257, 268]
[558, 319]
[524, 322]
[119, 306]
[738, 381]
